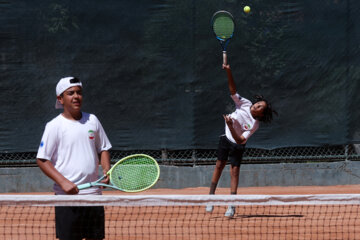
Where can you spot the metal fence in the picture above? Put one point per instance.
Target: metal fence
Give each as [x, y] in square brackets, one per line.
[196, 157]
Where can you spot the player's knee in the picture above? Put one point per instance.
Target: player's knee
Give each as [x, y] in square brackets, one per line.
[220, 165]
[235, 170]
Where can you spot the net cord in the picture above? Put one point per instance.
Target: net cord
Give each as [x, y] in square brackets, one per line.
[178, 200]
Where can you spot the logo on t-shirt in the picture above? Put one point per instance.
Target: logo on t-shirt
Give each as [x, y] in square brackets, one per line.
[91, 134]
[42, 144]
[247, 126]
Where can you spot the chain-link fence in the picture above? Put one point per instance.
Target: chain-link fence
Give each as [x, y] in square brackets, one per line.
[196, 157]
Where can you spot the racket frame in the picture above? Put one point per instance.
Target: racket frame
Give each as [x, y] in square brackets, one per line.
[223, 42]
[98, 182]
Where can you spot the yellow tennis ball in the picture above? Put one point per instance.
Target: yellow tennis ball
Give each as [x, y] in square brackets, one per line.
[246, 9]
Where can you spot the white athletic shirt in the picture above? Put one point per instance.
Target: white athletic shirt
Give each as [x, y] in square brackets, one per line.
[73, 148]
[244, 123]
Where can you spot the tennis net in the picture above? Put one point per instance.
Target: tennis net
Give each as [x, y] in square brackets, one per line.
[184, 216]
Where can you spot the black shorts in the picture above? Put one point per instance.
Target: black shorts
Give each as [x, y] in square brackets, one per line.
[229, 150]
[80, 222]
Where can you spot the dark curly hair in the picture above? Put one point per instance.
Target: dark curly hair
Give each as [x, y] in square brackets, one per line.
[268, 111]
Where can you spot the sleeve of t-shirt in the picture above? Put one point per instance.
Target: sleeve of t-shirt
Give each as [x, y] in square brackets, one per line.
[48, 143]
[238, 100]
[102, 141]
[247, 134]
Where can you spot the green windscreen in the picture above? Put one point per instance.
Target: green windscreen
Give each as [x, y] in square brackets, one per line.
[223, 26]
[135, 173]
[145, 73]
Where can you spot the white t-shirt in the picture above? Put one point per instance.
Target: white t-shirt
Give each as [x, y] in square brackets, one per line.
[73, 148]
[244, 123]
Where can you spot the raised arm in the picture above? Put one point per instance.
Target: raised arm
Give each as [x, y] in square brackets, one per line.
[50, 171]
[231, 83]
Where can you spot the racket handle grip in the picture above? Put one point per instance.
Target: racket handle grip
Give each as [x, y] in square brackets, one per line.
[224, 58]
[84, 186]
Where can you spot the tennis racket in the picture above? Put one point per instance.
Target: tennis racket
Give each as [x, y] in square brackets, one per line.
[133, 173]
[223, 25]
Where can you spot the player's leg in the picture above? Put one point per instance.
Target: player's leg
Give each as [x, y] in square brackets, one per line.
[80, 222]
[94, 223]
[67, 223]
[219, 167]
[222, 154]
[234, 174]
[235, 156]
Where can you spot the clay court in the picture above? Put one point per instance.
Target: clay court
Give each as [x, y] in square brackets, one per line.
[192, 222]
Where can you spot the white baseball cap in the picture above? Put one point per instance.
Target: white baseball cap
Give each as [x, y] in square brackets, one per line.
[63, 84]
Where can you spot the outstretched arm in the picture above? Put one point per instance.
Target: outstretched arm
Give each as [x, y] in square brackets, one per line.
[231, 83]
[50, 171]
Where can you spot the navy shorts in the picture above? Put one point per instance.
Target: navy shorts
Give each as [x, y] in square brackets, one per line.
[228, 150]
[80, 222]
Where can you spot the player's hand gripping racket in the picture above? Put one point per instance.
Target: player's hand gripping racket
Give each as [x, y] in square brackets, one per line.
[223, 26]
[133, 173]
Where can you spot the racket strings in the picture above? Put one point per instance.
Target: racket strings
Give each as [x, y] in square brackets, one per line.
[135, 174]
[223, 26]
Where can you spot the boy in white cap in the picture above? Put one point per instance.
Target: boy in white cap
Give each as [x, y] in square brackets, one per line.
[72, 146]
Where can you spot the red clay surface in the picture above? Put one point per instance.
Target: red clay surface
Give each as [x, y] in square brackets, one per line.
[249, 222]
[271, 190]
